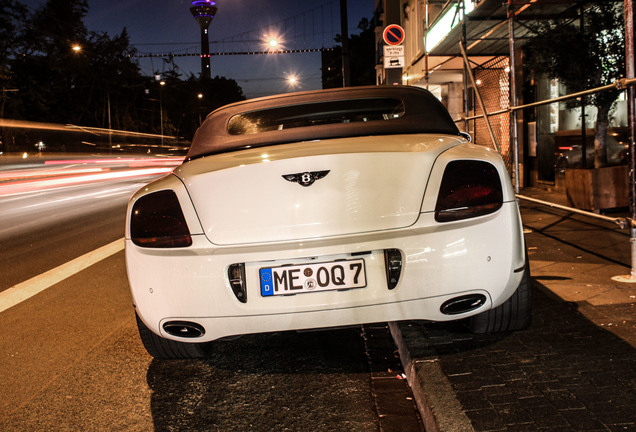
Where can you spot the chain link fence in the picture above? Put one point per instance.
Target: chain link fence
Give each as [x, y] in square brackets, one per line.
[493, 82]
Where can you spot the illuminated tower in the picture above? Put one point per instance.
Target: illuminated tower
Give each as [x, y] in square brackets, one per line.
[203, 11]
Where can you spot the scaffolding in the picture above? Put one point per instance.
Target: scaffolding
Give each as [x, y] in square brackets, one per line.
[497, 115]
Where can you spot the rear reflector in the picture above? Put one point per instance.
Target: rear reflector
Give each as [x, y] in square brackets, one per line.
[157, 221]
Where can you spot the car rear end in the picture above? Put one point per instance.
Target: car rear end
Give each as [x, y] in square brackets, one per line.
[350, 225]
[377, 217]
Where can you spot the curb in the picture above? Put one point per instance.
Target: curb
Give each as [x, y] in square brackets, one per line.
[435, 398]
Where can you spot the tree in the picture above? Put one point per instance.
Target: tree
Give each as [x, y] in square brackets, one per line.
[362, 59]
[12, 18]
[583, 53]
[112, 79]
[99, 85]
[187, 103]
[46, 70]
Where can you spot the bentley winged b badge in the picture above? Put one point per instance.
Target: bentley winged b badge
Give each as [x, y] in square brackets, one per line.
[305, 178]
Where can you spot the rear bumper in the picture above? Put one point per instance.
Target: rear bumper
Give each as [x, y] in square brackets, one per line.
[223, 326]
[440, 262]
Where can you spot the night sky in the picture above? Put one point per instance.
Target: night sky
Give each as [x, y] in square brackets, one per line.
[163, 26]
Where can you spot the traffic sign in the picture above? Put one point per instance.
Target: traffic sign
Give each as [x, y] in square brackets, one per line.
[393, 34]
[393, 56]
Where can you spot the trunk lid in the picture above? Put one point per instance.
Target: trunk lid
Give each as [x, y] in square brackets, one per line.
[359, 185]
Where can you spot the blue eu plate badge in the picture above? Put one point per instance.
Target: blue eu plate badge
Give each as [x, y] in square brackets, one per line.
[267, 286]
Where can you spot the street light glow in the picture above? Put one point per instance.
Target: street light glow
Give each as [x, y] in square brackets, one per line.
[292, 80]
[272, 42]
[76, 48]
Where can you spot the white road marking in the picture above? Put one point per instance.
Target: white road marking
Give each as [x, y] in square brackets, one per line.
[27, 289]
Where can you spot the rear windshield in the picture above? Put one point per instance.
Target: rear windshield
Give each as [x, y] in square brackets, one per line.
[322, 113]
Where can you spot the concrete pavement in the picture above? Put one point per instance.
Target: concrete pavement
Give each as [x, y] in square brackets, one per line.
[574, 369]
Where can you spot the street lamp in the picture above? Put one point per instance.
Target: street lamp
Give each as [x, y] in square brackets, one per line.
[162, 83]
[272, 42]
[292, 80]
[199, 106]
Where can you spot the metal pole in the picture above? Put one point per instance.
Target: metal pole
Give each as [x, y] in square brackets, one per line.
[620, 221]
[514, 137]
[161, 111]
[631, 95]
[583, 135]
[583, 122]
[631, 73]
[462, 45]
[479, 99]
[620, 84]
[426, 74]
[344, 29]
[110, 128]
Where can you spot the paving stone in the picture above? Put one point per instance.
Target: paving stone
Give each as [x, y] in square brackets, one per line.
[582, 420]
[486, 419]
[547, 416]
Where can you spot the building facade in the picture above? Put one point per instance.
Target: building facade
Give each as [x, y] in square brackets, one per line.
[490, 30]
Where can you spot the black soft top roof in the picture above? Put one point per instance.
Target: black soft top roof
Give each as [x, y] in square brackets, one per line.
[420, 112]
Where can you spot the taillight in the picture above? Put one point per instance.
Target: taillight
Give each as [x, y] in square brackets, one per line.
[158, 222]
[469, 189]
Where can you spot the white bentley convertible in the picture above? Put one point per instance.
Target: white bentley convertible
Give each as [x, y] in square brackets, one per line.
[323, 209]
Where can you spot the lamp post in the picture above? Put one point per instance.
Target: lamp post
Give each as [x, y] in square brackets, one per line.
[203, 11]
[4, 147]
[161, 84]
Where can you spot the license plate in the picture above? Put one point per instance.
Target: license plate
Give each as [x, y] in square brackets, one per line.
[304, 278]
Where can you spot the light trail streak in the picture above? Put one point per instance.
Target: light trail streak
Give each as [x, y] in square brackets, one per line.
[22, 124]
[20, 175]
[174, 161]
[27, 186]
[105, 193]
[129, 162]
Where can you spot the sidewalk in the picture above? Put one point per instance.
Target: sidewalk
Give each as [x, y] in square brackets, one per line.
[573, 369]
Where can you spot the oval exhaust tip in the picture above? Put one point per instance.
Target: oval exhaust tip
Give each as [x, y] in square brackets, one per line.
[184, 329]
[463, 304]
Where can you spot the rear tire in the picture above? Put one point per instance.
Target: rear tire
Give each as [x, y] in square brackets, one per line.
[514, 314]
[166, 349]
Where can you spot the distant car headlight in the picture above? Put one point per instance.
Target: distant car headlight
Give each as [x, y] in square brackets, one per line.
[469, 189]
[157, 221]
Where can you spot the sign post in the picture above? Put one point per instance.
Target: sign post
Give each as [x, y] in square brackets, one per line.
[393, 36]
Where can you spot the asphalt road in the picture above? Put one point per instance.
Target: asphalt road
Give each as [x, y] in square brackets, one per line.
[71, 358]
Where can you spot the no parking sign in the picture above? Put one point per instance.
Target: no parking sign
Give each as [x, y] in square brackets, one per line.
[393, 50]
[393, 34]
